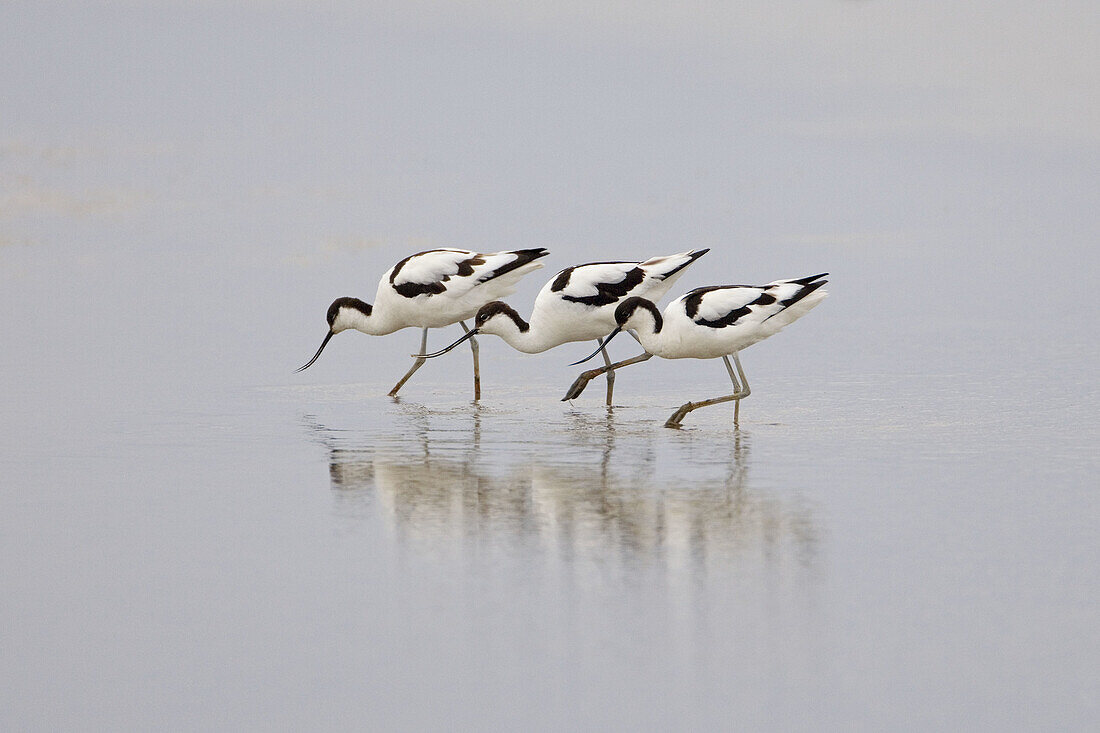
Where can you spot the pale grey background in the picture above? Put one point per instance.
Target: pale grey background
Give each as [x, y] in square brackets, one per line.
[901, 534]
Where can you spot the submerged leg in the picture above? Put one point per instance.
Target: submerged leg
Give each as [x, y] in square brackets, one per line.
[586, 377]
[610, 376]
[475, 350]
[416, 364]
[740, 392]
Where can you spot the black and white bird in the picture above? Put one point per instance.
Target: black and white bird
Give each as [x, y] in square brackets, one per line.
[430, 290]
[712, 322]
[578, 304]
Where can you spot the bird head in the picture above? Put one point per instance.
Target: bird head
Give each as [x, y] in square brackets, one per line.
[344, 313]
[497, 318]
[635, 312]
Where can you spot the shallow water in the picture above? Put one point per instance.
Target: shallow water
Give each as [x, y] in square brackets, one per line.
[901, 531]
[327, 556]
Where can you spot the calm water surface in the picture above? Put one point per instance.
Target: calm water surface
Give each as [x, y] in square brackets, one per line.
[324, 555]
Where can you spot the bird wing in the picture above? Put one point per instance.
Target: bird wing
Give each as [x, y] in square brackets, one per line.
[726, 305]
[454, 272]
[666, 267]
[597, 283]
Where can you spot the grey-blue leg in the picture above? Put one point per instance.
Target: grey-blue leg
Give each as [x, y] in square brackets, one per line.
[475, 350]
[416, 364]
[741, 391]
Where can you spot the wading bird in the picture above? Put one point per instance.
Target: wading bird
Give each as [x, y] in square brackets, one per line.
[430, 290]
[712, 322]
[578, 304]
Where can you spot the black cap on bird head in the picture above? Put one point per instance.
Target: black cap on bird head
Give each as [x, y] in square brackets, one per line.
[484, 314]
[623, 312]
[496, 308]
[331, 316]
[628, 307]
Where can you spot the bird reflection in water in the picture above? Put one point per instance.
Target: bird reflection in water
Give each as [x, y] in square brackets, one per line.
[590, 491]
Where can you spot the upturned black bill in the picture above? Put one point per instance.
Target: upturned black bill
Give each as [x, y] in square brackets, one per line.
[310, 362]
[602, 345]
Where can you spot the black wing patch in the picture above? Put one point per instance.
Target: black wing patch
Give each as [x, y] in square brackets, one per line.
[412, 290]
[802, 293]
[695, 298]
[691, 258]
[562, 280]
[523, 256]
[810, 279]
[727, 320]
[606, 293]
[465, 269]
[399, 265]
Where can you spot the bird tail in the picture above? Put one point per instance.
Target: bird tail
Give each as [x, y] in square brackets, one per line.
[808, 280]
[675, 264]
[809, 285]
[521, 258]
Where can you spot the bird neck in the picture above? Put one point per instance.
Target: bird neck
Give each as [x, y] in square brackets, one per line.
[652, 341]
[378, 324]
[648, 323]
[355, 314]
[521, 335]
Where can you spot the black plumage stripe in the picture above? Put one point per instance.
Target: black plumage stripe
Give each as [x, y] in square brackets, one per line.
[810, 279]
[608, 293]
[465, 269]
[562, 280]
[691, 258]
[695, 297]
[399, 265]
[523, 256]
[727, 320]
[802, 293]
[496, 308]
[626, 309]
[354, 303]
[411, 290]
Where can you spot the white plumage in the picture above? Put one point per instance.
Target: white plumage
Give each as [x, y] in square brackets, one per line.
[430, 290]
[440, 287]
[712, 322]
[707, 323]
[579, 303]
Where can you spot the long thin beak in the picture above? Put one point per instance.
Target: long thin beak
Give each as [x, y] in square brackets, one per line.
[602, 344]
[468, 335]
[323, 343]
